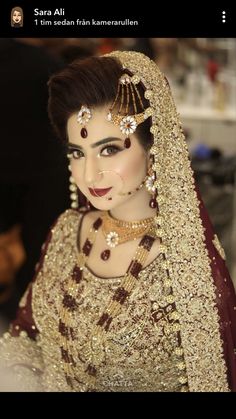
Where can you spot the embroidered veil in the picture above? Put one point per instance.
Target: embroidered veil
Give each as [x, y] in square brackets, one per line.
[200, 284]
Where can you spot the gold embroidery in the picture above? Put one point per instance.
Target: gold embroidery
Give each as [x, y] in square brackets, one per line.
[218, 247]
[190, 273]
[140, 346]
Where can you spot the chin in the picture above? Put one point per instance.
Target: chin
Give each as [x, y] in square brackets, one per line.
[102, 205]
[105, 205]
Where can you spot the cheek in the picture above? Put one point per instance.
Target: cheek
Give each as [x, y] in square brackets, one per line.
[132, 166]
[76, 171]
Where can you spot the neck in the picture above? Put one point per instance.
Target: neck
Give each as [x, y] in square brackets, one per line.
[135, 208]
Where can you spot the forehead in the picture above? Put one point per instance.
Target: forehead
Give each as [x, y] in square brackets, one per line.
[97, 127]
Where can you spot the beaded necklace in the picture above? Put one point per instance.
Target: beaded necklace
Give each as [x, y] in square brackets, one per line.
[67, 323]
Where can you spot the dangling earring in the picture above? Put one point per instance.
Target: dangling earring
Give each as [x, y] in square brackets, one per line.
[149, 183]
[74, 191]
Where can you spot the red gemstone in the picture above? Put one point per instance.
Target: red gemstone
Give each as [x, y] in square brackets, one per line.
[153, 203]
[127, 143]
[135, 268]
[84, 133]
[105, 254]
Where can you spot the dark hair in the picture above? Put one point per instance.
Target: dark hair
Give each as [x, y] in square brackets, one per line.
[92, 82]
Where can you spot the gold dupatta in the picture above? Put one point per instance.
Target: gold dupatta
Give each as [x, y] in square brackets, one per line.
[187, 262]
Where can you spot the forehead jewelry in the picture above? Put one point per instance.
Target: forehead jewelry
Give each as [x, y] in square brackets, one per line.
[124, 109]
[83, 116]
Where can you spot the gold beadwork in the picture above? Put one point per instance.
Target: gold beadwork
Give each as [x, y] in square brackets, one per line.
[94, 348]
[127, 89]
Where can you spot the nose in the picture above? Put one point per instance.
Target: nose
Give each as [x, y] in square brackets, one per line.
[91, 171]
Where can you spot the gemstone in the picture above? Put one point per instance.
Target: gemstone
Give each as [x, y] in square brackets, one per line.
[105, 254]
[84, 133]
[69, 302]
[87, 247]
[104, 317]
[63, 329]
[147, 242]
[91, 370]
[127, 143]
[77, 274]
[152, 203]
[120, 295]
[97, 223]
[135, 268]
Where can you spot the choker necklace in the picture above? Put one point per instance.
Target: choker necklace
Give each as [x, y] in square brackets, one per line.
[117, 231]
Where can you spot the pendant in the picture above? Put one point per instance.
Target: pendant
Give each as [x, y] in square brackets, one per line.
[127, 143]
[105, 254]
[152, 203]
[84, 133]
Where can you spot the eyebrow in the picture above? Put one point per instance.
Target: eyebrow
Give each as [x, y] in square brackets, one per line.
[94, 145]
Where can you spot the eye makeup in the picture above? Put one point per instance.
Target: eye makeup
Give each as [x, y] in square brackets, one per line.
[75, 151]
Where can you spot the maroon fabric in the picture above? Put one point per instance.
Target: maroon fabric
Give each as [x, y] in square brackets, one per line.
[24, 320]
[225, 297]
[225, 300]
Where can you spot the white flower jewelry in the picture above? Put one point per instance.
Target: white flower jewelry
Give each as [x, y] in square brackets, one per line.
[128, 125]
[112, 239]
[84, 115]
[127, 95]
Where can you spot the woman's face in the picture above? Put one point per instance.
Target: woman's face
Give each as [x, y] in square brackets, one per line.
[16, 17]
[103, 169]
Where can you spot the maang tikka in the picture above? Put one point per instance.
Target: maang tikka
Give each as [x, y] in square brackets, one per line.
[83, 116]
[128, 98]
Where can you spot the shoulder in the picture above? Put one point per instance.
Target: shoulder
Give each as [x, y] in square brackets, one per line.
[87, 219]
[64, 227]
[91, 216]
[68, 224]
[59, 250]
[67, 219]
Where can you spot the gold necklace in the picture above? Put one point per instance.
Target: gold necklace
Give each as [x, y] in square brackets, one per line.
[118, 231]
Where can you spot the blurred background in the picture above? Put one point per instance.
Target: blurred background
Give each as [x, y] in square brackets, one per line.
[202, 75]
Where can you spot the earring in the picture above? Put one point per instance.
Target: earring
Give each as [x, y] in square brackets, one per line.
[149, 184]
[74, 192]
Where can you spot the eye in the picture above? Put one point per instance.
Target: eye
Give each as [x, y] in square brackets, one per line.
[74, 154]
[110, 150]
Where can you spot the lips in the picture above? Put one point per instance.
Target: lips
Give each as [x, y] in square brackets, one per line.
[99, 192]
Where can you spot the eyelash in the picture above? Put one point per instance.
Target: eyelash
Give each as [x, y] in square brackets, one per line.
[72, 152]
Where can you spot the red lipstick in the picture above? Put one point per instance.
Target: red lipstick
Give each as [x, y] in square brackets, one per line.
[99, 192]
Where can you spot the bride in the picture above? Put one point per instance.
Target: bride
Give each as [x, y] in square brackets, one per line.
[132, 292]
